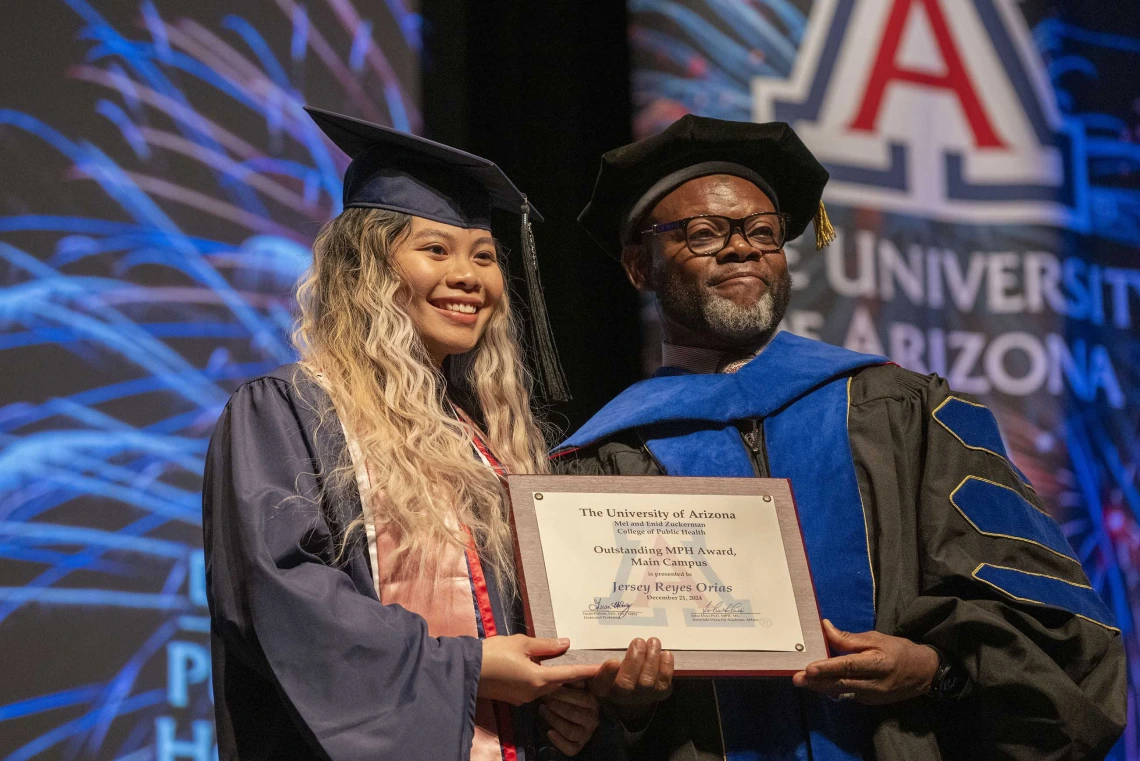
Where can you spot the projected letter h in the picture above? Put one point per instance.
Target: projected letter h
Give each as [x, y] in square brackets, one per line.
[169, 748]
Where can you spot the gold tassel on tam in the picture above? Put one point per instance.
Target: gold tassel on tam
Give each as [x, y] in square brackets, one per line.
[824, 232]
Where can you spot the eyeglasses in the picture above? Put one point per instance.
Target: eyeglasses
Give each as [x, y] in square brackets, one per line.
[708, 234]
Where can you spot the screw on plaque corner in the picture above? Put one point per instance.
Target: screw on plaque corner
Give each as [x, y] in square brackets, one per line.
[538, 495]
[799, 647]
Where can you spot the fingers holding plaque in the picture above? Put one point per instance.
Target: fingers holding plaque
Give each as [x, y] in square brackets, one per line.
[713, 567]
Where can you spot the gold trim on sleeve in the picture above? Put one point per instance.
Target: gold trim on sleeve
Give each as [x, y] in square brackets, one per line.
[866, 522]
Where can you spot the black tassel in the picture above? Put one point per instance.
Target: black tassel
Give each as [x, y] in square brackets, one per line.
[551, 379]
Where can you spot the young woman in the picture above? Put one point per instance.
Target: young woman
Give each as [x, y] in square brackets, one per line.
[358, 542]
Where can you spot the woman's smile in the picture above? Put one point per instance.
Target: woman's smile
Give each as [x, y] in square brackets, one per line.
[460, 311]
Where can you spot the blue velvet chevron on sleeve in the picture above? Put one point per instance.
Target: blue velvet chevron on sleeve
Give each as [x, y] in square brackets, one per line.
[996, 510]
[1039, 589]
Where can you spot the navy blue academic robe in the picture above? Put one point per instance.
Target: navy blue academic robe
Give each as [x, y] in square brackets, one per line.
[916, 523]
[308, 663]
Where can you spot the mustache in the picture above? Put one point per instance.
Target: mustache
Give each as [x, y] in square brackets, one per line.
[721, 277]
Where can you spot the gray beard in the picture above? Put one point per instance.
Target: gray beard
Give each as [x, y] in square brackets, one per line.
[705, 312]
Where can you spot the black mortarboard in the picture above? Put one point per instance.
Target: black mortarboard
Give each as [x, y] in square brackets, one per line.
[400, 172]
[634, 177]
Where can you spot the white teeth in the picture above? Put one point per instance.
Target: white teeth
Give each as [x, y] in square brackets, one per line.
[464, 308]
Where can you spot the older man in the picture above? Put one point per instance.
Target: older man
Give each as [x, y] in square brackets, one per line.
[966, 625]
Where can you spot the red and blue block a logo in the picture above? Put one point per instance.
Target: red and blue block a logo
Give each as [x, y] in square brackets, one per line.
[935, 108]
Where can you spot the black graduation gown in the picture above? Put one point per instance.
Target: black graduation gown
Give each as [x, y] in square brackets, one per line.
[1044, 683]
[307, 662]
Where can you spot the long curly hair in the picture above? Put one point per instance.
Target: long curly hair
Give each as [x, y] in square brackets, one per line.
[355, 330]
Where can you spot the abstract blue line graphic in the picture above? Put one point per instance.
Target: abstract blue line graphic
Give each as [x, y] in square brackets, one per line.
[161, 191]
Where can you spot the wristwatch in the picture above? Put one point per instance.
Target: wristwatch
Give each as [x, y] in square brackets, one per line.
[949, 680]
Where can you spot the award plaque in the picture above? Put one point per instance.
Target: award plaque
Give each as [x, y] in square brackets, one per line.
[715, 568]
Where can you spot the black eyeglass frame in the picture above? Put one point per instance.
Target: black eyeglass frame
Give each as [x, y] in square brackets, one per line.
[734, 224]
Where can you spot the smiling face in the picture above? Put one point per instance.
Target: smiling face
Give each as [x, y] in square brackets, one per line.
[455, 284]
[732, 299]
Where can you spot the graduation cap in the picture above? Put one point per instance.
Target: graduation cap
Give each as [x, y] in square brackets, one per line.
[400, 172]
[634, 177]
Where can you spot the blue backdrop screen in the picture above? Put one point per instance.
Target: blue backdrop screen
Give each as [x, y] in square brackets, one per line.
[160, 191]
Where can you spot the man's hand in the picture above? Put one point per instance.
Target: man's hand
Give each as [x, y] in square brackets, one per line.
[572, 714]
[643, 677]
[879, 668]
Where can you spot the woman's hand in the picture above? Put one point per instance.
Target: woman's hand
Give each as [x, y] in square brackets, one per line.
[572, 713]
[879, 668]
[511, 672]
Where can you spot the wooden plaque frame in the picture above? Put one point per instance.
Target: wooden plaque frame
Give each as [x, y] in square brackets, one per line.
[534, 582]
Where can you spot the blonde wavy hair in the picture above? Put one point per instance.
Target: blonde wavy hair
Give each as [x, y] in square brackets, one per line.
[356, 331]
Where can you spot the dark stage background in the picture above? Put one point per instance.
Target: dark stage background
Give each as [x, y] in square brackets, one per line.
[543, 89]
[161, 188]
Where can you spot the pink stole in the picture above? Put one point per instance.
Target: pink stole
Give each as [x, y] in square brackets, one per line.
[450, 607]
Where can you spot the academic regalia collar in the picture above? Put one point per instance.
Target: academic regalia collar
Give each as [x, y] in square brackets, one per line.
[698, 360]
[789, 367]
